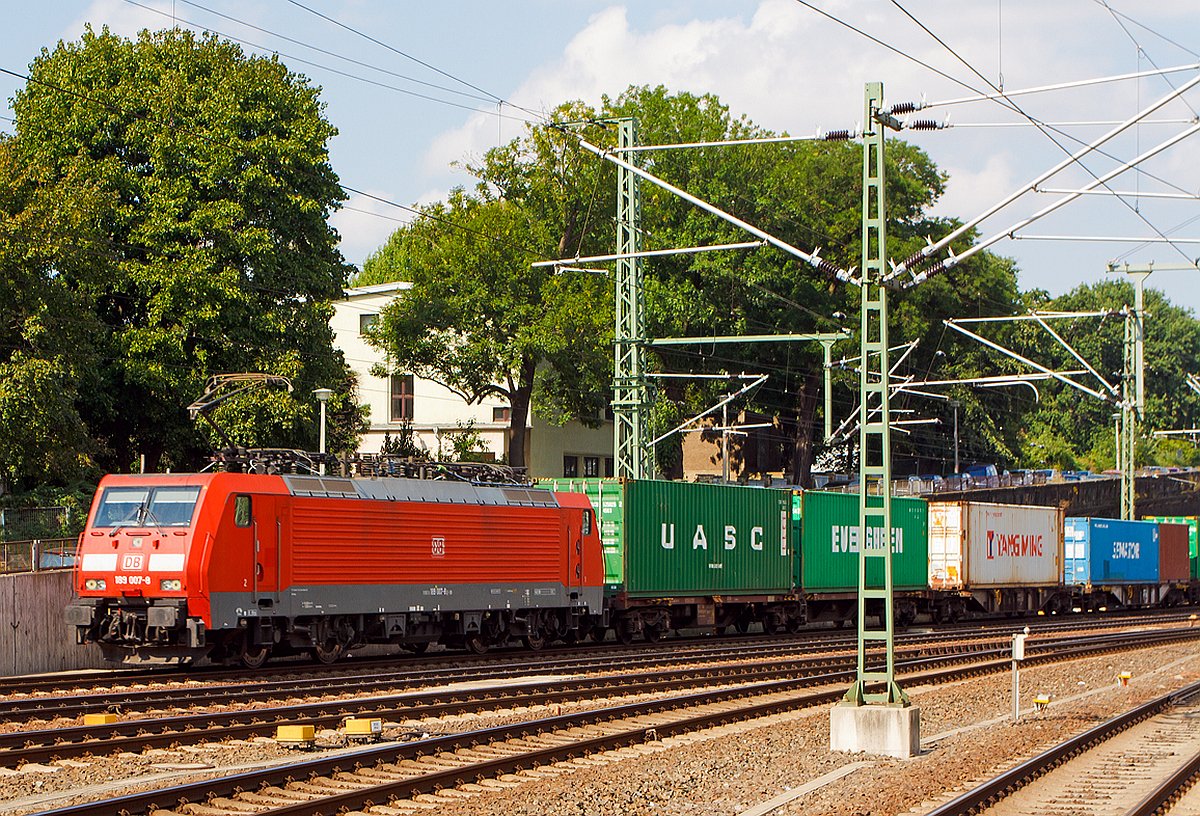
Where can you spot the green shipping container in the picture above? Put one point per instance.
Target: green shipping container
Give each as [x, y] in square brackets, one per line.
[829, 553]
[1193, 523]
[673, 539]
[684, 538]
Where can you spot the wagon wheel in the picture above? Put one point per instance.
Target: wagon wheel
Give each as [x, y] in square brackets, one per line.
[793, 624]
[625, 630]
[772, 623]
[326, 652]
[476, 644]
[598, 633]
[416, 648]
[720, 630]
[742, 625]
[534, 642]
[254, 657]
[653, 633]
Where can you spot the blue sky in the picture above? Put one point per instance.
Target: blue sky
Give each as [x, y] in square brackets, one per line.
[780, 62]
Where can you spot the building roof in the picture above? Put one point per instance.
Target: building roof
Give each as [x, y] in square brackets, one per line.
[376, 289]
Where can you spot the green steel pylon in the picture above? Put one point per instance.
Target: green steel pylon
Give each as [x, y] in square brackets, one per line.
[631, 450]
[874, 430]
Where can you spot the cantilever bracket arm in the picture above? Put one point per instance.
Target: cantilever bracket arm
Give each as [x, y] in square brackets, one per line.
[213, 396]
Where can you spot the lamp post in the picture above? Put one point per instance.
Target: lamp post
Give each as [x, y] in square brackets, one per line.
[323, 395]
[954, 404]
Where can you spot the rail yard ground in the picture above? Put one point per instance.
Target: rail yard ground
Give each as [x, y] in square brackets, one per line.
[735, 769]
[967, 736]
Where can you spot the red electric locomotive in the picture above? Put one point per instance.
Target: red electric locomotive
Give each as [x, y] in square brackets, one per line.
[237, 566]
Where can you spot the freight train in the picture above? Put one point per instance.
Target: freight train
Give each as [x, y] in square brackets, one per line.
[241, 566]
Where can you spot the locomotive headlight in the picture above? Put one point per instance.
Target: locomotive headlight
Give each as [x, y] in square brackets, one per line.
[170, 584]
[94, 583]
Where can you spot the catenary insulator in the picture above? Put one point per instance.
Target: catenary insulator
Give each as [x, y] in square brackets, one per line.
[838, 136]
[828, 268]
[903, 108]
[936, 269]
[912, 260]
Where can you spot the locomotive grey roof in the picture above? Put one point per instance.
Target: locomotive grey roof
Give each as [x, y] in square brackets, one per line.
[421, 490]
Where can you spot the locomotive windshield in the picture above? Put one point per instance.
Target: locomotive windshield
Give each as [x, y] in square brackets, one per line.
[147, 507]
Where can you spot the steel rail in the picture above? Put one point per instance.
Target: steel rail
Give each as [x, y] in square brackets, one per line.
[140, 734]
[997, 788]
[351, 800]
[1161, 798]
[429, 664]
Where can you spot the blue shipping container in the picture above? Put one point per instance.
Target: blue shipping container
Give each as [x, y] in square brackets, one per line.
[1108, 551]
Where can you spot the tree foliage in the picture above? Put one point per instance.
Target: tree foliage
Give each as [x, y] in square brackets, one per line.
[542, 196]
[1069, 428]
[216, 251]
[48, 336]
[478, 318]
[810, 195]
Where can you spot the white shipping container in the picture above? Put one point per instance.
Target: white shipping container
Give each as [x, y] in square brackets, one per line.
[976, 545]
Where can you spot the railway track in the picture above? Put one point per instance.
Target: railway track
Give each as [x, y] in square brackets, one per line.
[166, 704]
[353, 780]
[1136, 764]
[77, 695]
[299, 670]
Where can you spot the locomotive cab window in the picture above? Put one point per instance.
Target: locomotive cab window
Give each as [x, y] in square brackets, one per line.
[147, 507]
[587, 522]
[241, 511]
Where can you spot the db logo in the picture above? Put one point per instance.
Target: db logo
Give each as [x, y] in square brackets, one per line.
[132, 561]
[438, 547]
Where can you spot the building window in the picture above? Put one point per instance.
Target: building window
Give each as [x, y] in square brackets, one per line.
[365, 322]
[591, 466]
[570, 467]
[610, 469]
[501, 414]
[402, 397]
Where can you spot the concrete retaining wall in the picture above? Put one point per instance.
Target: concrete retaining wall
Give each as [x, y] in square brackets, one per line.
[33, 637]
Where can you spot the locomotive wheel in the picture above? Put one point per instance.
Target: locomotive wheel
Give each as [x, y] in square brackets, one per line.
[416, 648]
[476, 644]
[326, 654]
[534, 642]
[254, 657]
[598, 633]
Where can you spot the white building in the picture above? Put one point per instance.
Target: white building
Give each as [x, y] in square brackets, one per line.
[437, 413]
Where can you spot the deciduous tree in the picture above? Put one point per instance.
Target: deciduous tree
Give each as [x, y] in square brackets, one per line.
[218, 253]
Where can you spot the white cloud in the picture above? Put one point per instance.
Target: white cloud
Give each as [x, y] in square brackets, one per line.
[970, 191]
[789, 68]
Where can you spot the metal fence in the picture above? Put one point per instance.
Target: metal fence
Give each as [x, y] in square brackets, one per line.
[37, 554]
[30, 523]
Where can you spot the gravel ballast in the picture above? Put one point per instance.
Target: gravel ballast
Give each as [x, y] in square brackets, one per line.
[753, 769]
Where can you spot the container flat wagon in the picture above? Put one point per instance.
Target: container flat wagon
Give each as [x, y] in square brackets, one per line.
[827, 566]
[1110, 562]
[996, 558]
[682, 555]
